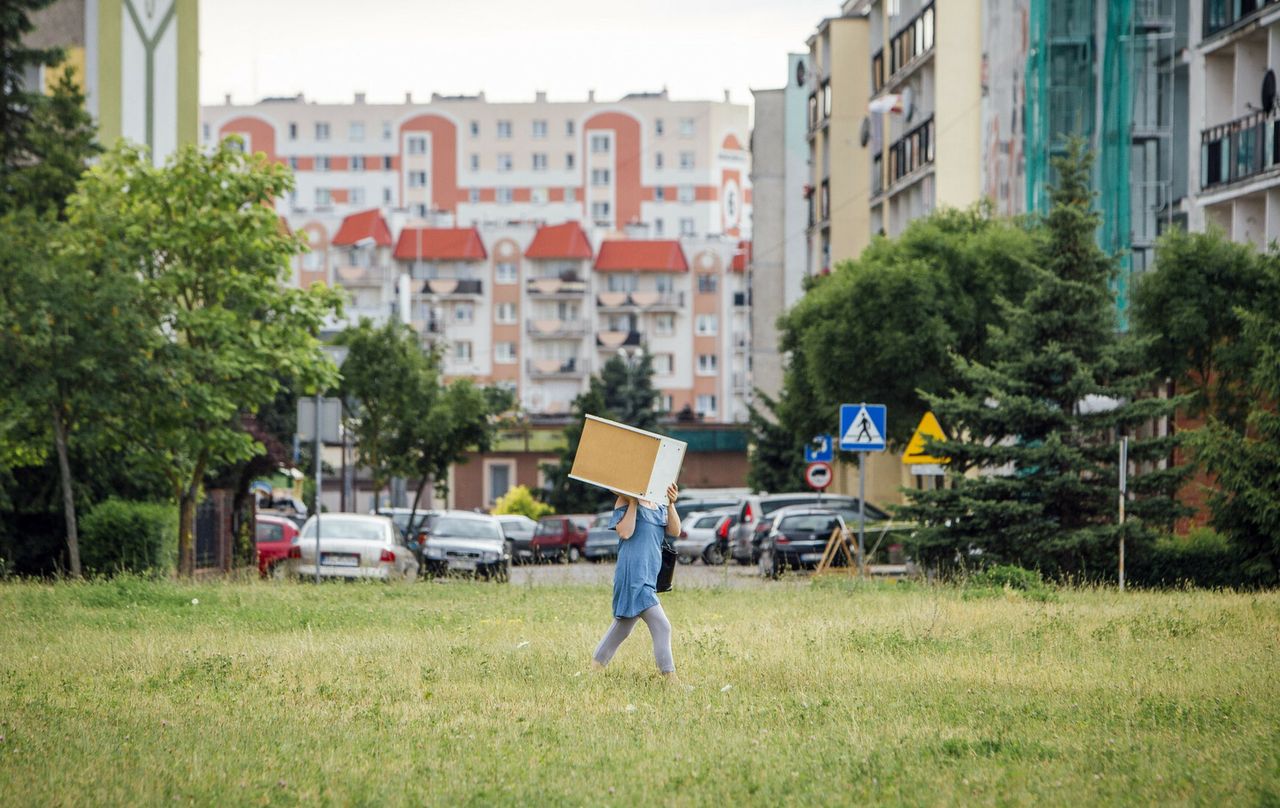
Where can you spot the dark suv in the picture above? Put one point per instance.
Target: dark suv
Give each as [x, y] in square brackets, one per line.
[561, 537]
[753, 509]
[798, 537]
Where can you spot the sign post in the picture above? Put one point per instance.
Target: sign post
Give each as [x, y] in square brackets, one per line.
[319, 418]
[862, 430]
[1124, 486]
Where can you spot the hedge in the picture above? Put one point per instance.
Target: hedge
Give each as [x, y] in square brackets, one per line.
[121, 535]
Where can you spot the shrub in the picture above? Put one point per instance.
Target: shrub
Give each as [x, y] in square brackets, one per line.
[1203, 558]
[120, 535]
[999, 579]
[519, 500]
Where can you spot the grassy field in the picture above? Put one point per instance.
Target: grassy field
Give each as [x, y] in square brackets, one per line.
[132, 692]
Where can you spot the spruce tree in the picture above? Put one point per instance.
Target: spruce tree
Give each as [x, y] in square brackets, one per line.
[1034, 449]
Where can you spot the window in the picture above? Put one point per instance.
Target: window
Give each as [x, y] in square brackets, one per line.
[475, 162]
[417, 145]
[504, 352]
[659, 193]
[475, 129]
[657, 227]
[505, 196]
[600, 211]
[464, 313]
[387, 163]
[539, 129]
[357, 196]
[538, 196]
[663, 364]
[417, 179]
[685, 193]
[504, 162]
[658, 127]
[657, 161]
[570, 194]
[826, 100]
[293, 131]
[355, 131]
[686, 160]
[386, 196]
[504, 129]
[706, 404]
[322, 131]
[505, 272]
[621, 283]
[568, 160]
[293, 163]
[539, 162]
[706, 363]
[386, 130]
[420, 211]
[664, 325]
[474, 195]
[322, 163]
[568, 128]
[664, 402]
[504, 313]
[707, 324]
[686, 127]
[322, 197]
[599, 144]
[462, 351]
[687, 227]
[599, 176]
[665, 284]
[357, 162]
[498, 477]
[706, 282]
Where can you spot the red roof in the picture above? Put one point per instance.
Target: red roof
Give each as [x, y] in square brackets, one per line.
[560, 241]
[440, 244]
[362, 225]
[644, 256]
[742, 257]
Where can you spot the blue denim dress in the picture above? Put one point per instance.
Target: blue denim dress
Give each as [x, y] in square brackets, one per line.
[639, 559]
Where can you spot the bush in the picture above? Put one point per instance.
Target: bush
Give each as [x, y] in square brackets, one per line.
[119, 535]
[1202, 558]
[999, 579]
[519, 500]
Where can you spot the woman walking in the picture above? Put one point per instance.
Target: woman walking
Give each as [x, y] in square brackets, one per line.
[640, 525]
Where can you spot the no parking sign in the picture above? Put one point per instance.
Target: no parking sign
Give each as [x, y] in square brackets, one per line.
[818, 476]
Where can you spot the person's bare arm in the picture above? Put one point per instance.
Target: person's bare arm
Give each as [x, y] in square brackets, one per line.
[627, 527]
[673, 518]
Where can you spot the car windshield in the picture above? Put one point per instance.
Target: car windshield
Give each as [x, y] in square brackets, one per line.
[547, 528]
[269, 531]
[706, 521]
[601, 521]
[808, 523]
[465, 528]
[514, 526]
[339, 527]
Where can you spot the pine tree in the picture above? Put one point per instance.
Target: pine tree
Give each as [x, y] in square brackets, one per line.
[1034, 459]
[777, 456]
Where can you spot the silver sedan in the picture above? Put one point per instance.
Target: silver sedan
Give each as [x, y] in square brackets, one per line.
[352, 546]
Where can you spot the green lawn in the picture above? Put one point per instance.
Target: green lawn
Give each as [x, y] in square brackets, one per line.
[131, 693]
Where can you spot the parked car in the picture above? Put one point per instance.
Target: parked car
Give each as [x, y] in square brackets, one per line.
[561, 537]
[602, 540]
[798, 538]
[519, 533]
[684, 507]
[273, 535]
[752, 509]
[352, 546]
[463, 541]
[402, 517]
[700, 536]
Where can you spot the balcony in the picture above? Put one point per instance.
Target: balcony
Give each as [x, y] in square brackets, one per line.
[648, 300]
[911, 152]
[556, 329]
[377, 314]
[451, 287]
[567, 285]
[571, 368]
[609, 340]
[1239, 149]
[1224, 15]
[363, 275]
[912, 42]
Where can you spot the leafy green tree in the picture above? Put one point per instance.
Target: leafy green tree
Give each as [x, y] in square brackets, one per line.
[520, 500]
[1188, 308]
[622, 392]
[201, 235]
[1038, 422]
[777, 456]
[18, 101]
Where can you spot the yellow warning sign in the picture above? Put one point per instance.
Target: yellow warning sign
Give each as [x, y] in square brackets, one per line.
[915, 454]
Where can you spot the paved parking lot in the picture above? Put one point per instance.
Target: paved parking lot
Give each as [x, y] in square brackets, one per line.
[687, 575]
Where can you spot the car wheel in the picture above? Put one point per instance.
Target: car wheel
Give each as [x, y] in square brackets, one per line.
[510, 550]
[712, 556]
[768, 564]
[684, 559]
[572, 554]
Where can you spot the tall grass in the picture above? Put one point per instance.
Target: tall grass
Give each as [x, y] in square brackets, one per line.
[141, 692]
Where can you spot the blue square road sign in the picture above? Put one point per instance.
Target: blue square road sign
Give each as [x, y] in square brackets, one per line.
[819, 450]
[862, 427]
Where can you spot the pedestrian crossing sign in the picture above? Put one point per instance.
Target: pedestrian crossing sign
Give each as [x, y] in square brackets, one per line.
[862, 427]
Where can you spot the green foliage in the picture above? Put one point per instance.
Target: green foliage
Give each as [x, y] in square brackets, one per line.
[1007, 575]
[622, 393]
[1044, 494]
[1204, 558]
[19, 103]
[777, 456]
[61, 138]
[123, 536]
[520, 500]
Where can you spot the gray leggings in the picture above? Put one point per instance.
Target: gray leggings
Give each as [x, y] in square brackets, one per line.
[659, 629]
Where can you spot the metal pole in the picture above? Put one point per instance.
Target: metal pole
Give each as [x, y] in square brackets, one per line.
[319, 483]
[862, 512]
[1124, 485]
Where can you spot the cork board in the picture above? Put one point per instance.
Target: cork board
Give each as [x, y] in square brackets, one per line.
[626, 459]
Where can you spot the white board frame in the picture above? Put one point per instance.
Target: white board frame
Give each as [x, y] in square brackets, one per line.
[666, 466]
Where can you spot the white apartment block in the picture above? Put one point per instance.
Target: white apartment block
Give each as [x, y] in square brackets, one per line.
[531, 241]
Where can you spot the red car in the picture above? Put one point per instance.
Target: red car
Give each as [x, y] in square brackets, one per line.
[561, 537]
[274, 534]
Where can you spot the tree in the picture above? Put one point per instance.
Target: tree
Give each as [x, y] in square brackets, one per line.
[1188, 308]
[17, 101]
[1038, 422]
[213, 259]
[622, 392]
[777, 457]
[520, 500]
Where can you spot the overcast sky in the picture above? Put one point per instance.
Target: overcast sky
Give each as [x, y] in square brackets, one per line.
[330, 49]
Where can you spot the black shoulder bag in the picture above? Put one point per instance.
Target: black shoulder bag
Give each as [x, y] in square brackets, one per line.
[668, 569]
